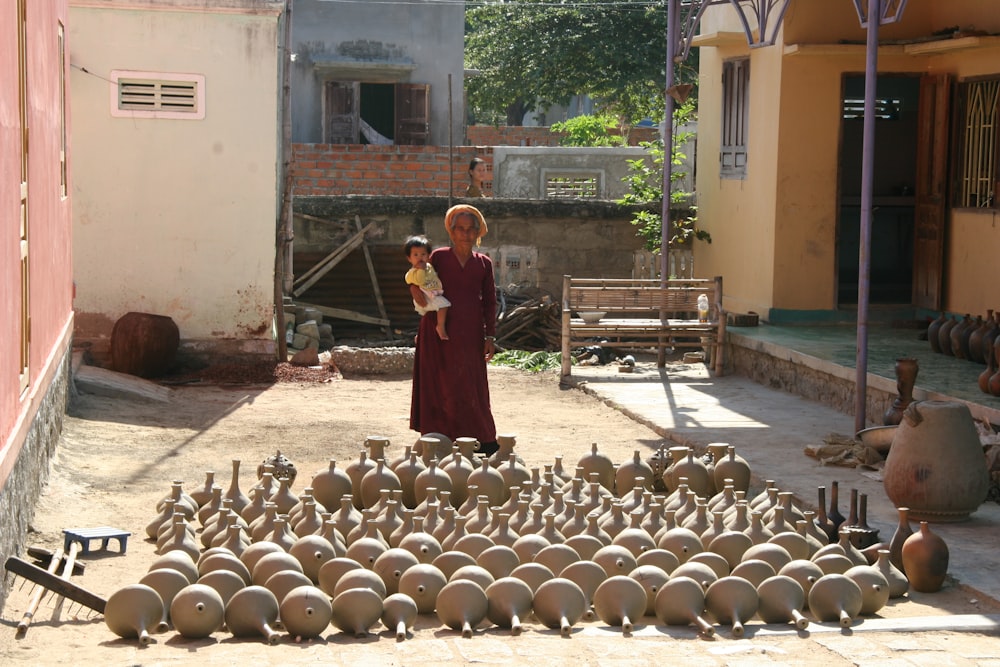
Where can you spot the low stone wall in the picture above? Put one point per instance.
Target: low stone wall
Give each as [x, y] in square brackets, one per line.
[364, 361]
[31, 470]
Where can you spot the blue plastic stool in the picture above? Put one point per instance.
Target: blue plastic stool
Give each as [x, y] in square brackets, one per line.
[103, 533]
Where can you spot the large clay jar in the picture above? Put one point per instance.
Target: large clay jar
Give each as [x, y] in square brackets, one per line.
[734, 467]
[133, 611]
[990, 371]
[330, 485]
[696, 472]
[944, 336]
[959, 340]
[906, 378]
[932, 332]
[305, 612]
[681, 601]
[936, 465]
[628, 471]
[903, 531]
[144, 344]
[925, 560]
[197, 611]
[558, 604]
[598, 462]
[461, 605]
[252, 612]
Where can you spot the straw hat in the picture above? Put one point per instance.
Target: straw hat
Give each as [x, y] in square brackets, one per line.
[459, 209]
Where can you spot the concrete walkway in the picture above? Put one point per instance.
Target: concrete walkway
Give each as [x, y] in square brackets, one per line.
[770, 429]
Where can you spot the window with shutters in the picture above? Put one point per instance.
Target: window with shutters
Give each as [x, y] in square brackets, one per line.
[735, 118]
[978, 144]
[157, 95]
[376, 113]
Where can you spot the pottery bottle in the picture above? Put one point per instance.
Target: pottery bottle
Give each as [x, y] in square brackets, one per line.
[458, 468]
[874, 587]
[628, 471]
[681, 601]
[253, 612]
[958, 337]
[990, 334]
[330, 485]
[558, 604]
[906, 377]
[781, 600]
[903, 531]
[620, 601]
[462, 605]
[925, 560]
[733, 467]
[197, 611]
[991, 369]
[762, 497]
[203, 495]
[975, 343]
[944, 336]
[834, 515]
[509, 601]
[933, 330]
[732, 600]
[182, 501]
[356, 470]
[993, 384]
[835, 597]
[597, 461]
[375, 481]
[898, 583]
[305, 612]
[234, 493]
[132, 611]
[399, 611]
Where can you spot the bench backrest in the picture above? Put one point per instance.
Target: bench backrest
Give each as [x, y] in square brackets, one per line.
[641, 296]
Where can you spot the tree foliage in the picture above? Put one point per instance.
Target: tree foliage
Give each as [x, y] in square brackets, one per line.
[532, 54]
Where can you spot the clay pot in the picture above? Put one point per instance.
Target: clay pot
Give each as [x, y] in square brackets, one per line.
[585, 544]
[284, 498]
[874, 587]
[906, 378]
[253, 553]
[224, 561]
[271, 563]
[700, 572]
[356, 470]
[253, 612]
[423, 546]
[390, 565]
[903, 531]
[755, 571]
[458, 468]
[167, 583]
[732, 600]
[805, 572]
[652, 579]
[330, 485]
[197, 611]
[586, 574]
[925, 560]
[134, 610]
[355, 610]
[480, 575]
[179, 561]
[974, 338]
[835, 597]
[682, 542]
[461, 605]
[959, 335]
[898, 583]
[599, 463]
[282, 583]
[781, 600]
[498, 560]
[932, 332]
[936, 465]
[681, 601]
[991, 369]
[774, 554]
[399, 611]
[615, 560]
[718, 564]
[449, 562]
[366, 549]
[422, 583]
[696, 472]
[528, 545]
[833, 514]
[234, 493]
[557, 557]
[619, 601]
[731, 545]
[533, 574]
[407, 472]
[629, 471]
[225, 583]
[305, 612]
[834, 563]
[376, 480]
[312, 551]
[360, 579]
[661, 558]
[944, 335]
[332, 570]
[509, 600]
[732, 467]
[558, 604]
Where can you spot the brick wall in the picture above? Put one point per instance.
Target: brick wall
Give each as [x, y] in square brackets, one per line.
[355, 169]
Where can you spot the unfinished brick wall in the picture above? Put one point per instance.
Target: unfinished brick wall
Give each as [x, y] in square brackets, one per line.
[509, 135]
[355, 169]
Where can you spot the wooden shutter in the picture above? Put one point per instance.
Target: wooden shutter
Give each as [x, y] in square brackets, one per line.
[412, 114]
[930, 191]
[340, 112]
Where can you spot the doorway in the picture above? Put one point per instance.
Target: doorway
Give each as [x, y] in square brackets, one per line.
[893, 192]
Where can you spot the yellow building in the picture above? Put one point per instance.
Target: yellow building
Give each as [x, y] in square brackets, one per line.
[780, 150]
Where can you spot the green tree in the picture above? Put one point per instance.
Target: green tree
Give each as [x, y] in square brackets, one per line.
[532, 54]
[645, 182]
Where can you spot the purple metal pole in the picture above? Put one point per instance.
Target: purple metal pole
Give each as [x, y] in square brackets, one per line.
[867, 176]
[673, 32]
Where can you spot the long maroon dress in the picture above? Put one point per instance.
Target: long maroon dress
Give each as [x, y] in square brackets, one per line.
[451, 394]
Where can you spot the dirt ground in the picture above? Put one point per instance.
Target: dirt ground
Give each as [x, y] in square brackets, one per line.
[117, 457]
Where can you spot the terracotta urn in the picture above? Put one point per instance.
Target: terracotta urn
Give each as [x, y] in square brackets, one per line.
[197, 611]
[399, 611]
[936, 466]
[305, 612]
[134, 610]
[925, 560]
[732, 600]
[355, 610]
[835, 597]
[509, 601]
[781, 600]
[681, 601]
[559, 604]
[422, 583]
[253, 612]
[461, 605]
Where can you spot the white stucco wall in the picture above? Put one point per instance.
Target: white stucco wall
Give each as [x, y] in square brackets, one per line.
[177, 217]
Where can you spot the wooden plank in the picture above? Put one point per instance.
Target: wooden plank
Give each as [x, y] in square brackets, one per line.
[55, 583]
[342, 314]
[104, 382]
[374, 279]
[310, 277]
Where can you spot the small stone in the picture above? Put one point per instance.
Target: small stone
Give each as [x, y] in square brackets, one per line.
[306, 357]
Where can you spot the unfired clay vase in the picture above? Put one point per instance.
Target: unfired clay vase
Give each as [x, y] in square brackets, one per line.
[132, 611]
[422, 583]
[619, 601]
[734, 467]
[615, 560]
[225, 583]
[661, 558]
[754, 570]
[898, 583]
[681, 601]
[377, 479]
[305, 612]
[700, 572]
[399, 611]
[533, 574]
[356, 471]
[586, 574]
[355, 610]
[682, 542]
[224, 561]
[256, 551]
[197, 611]
[874, 587]
[775, 554]
[332, 570]
[925, 560]
[167, 583]
[360, 579]
[718, 564]
[732, 600]
[509, 601]
[390, 566]
[652, 579]
[559, 604]
[805, 572]
[628, 471]
[781, 600]
[498, 560]
[281, 583]
[330, 485]
[936, 465]
[312, 551]
[234, 493]
[252, 612]
[461, 605]
[177, 560]
[449, 562]
[271, 563]
[835, 597]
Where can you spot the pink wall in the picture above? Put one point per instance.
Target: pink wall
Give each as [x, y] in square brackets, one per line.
[49, 218]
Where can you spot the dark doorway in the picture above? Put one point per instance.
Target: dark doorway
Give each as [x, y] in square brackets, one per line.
[893, 200]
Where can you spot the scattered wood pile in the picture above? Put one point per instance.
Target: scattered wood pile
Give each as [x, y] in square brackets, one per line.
[529, 322]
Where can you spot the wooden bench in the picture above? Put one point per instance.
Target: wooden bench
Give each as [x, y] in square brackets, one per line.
[643, 313]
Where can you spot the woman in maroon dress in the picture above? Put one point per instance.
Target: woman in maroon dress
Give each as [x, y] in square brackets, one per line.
[451, 394]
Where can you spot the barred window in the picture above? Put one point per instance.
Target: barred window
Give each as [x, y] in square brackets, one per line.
[978, 144]
[735, 118]
[568, 185]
